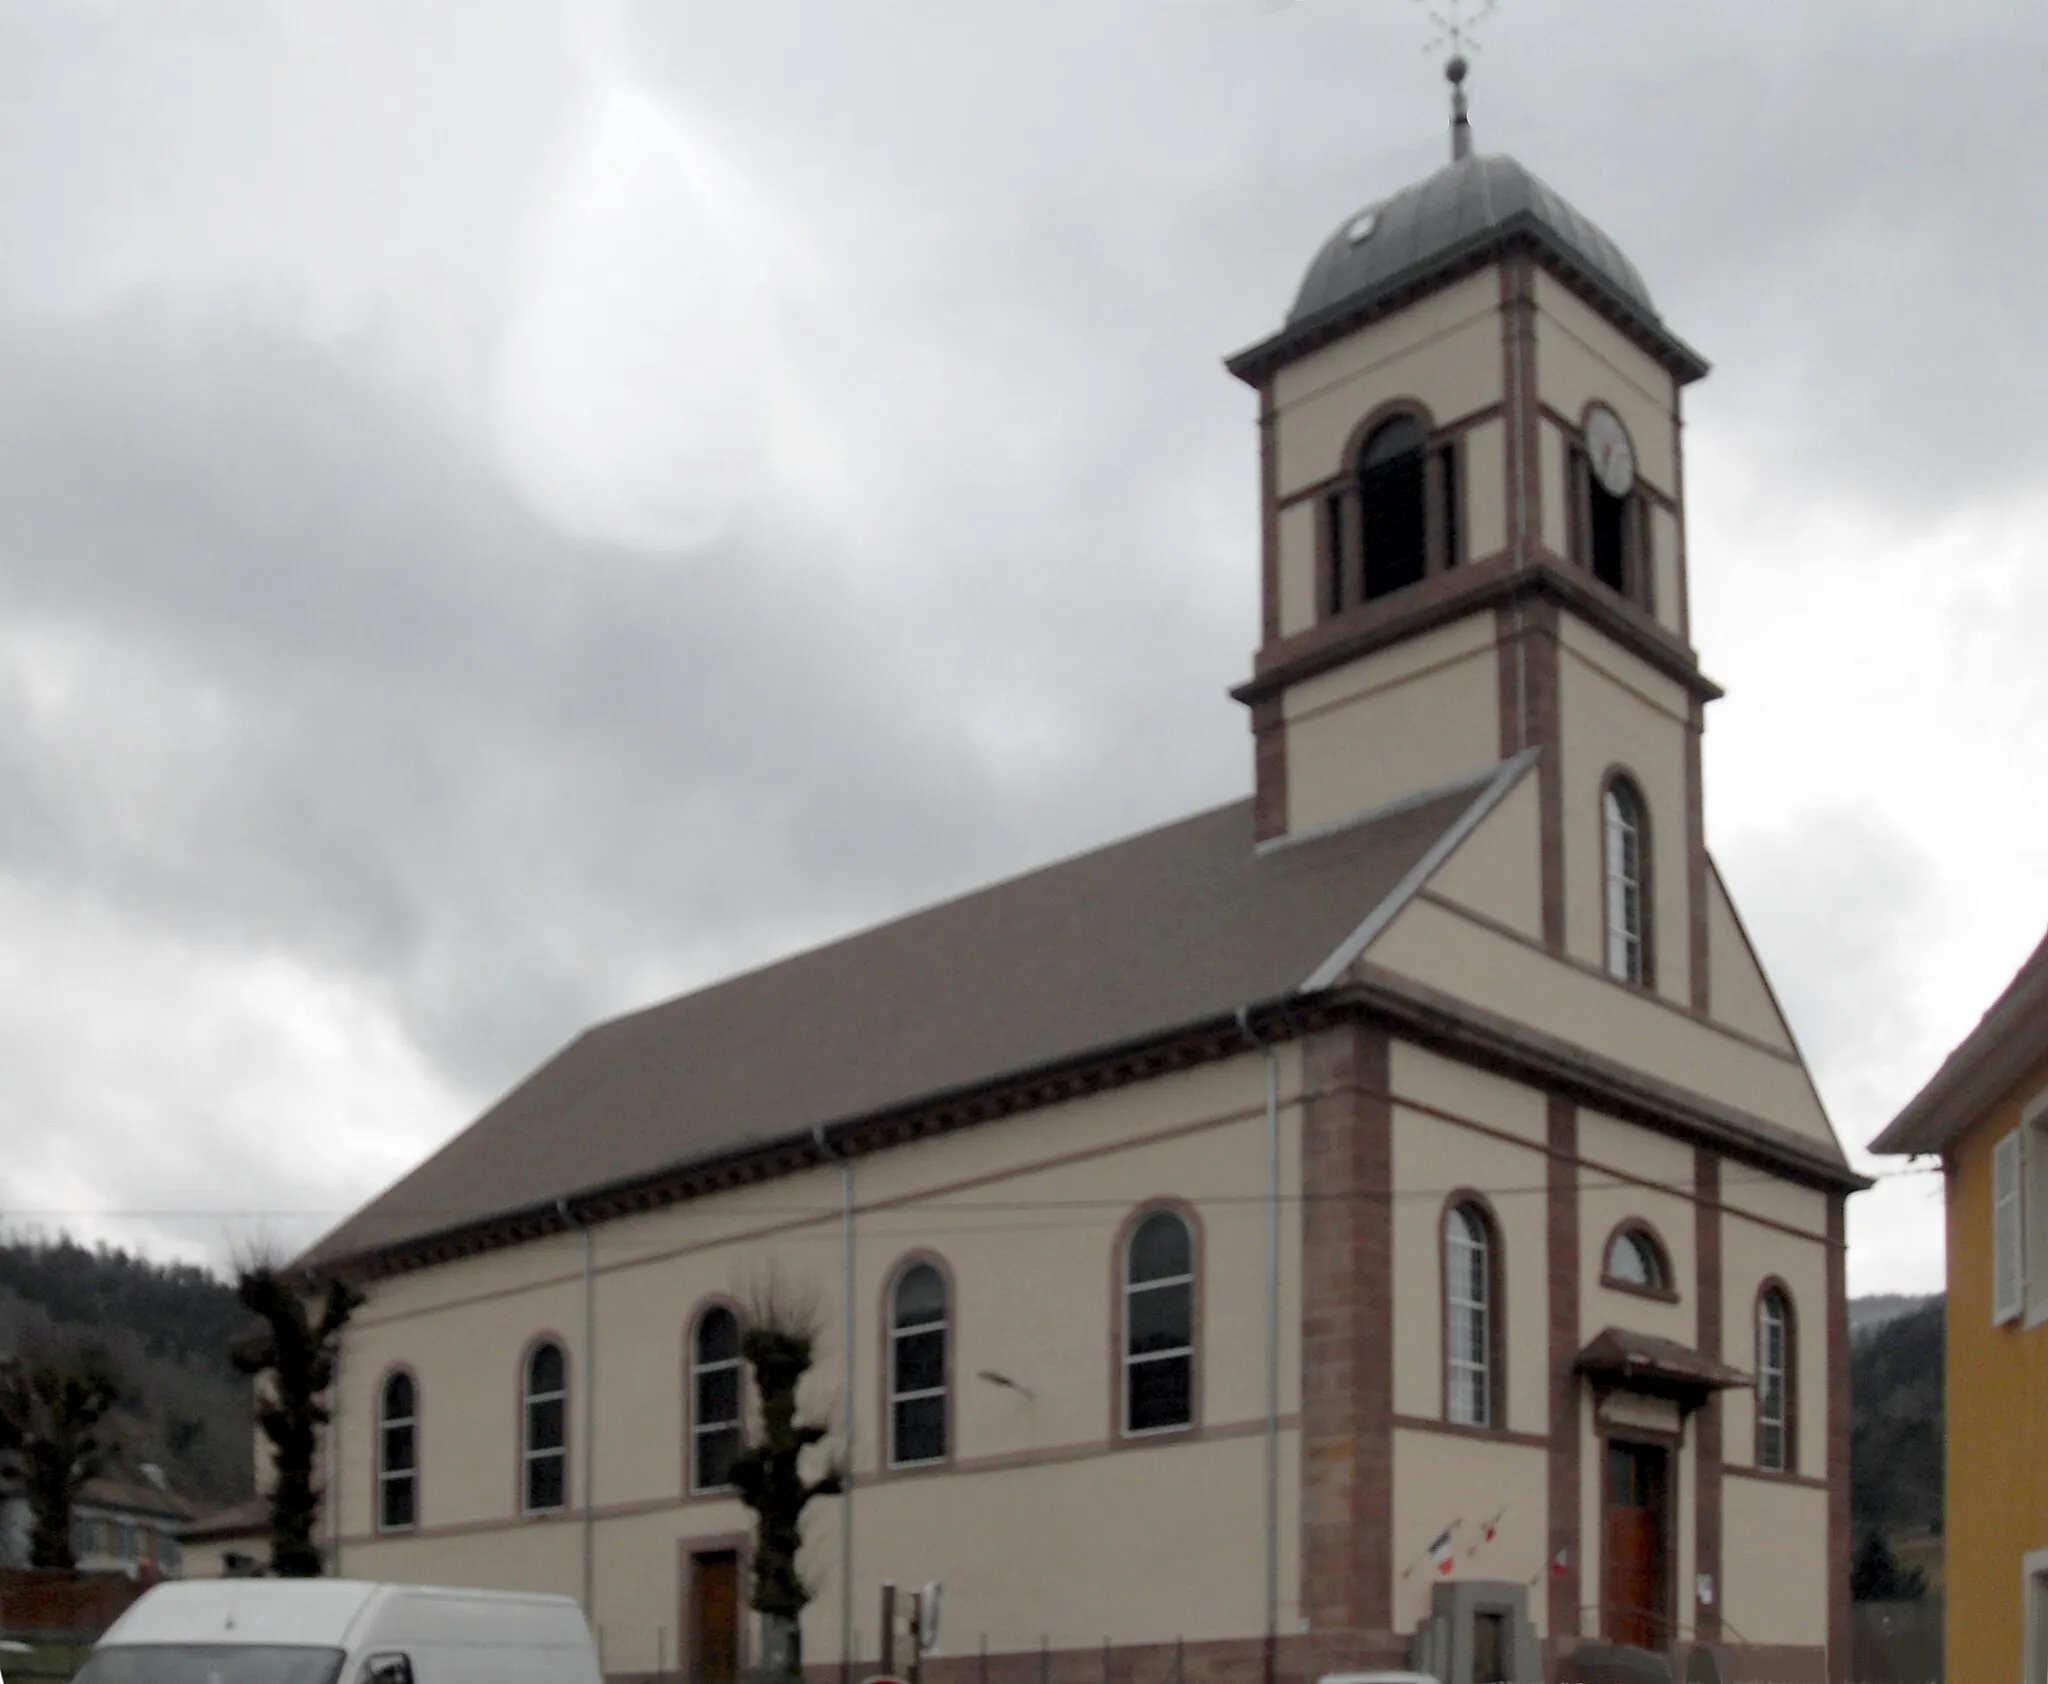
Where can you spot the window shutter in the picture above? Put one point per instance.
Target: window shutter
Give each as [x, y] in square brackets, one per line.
[2006, 1262]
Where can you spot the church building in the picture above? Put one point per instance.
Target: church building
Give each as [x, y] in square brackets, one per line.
[1384, 1220]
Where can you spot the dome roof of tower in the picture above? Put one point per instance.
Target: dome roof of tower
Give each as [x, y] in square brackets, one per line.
[1463, 215]
[1466, 205]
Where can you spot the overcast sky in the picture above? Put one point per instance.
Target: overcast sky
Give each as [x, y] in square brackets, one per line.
[511, 510]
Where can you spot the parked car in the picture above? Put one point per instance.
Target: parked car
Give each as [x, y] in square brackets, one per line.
[342, 1631]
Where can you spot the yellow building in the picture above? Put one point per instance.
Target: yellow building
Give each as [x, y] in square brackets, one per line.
[1986, 1113]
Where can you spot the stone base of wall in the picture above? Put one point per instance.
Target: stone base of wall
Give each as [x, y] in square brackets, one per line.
[1296, 1660]
[1737, 1663]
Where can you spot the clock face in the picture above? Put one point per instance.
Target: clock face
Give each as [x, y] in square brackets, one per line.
[1607, 448]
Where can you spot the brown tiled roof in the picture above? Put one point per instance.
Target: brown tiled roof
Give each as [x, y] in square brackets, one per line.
[1647, 1363]
[246, 1519]
[2009, 1040]
[122, 1495]
[1165, 931]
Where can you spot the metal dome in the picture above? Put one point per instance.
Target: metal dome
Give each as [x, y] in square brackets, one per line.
[1465, 206]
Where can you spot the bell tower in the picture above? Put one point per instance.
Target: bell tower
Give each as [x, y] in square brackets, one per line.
[1473, 543]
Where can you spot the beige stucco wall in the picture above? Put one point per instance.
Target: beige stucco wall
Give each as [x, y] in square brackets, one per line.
[1497, 871]
[1664, 572]
[1580, 357]
[1737, 993]
[1773, 1568]
[1438, 947]
[1432, 1158]
[1038, 1200]
[1617, 712]
[1299, 568]
[1421, 713]
[1443, 351]
[1550, 465]
[1619, 1158]
[1486, 490]
[1439, 1478]
[1751, 1253]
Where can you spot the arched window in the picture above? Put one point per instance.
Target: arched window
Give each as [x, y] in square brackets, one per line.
[1635, 1261]
[1397, 522]
[1159, 1325]
[1774, 1380]
[714, 1398]
[398, 1468]
[546, 1416]
[917, 1367]
[1626, 832]
[1471, 1317]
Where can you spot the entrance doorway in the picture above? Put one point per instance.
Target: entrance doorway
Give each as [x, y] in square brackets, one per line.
[715, 1617]
[1635, 1599]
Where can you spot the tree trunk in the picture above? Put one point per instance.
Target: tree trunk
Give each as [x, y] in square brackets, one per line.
[782, 1651]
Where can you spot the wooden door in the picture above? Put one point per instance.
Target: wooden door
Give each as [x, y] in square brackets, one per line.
[1636, 1561]
[715, 1618]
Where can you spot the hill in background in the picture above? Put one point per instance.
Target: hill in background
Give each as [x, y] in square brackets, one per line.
[167, 1327]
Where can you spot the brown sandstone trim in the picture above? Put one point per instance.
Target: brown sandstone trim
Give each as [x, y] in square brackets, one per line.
[1546, 732]
[1507, 644]
[1518, 351]
[1562, 1234]
[1838, 1441]
[1451, 1429]
[1337, 640]
[1269, 769]
[1347, 1314]
[1696, 857]
[1269, 515]
[1707, 1534]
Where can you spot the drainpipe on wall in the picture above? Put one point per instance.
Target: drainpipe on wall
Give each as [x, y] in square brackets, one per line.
[589, 1412]
[1268, 1665]
[847, 1339]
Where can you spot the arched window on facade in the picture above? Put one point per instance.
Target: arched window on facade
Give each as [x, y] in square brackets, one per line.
[1774, 1380]
[398, 1454]
[1159, 1325]
[917, 1367]
[545, 1421]
[1397, 521]
[715, 1373]
[1626, 830]
[1636, 1262]
[1471, 1317]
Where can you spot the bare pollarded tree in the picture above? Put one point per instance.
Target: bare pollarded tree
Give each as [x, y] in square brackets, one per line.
[291, 1356]
[54, 1405]
[780, 1344]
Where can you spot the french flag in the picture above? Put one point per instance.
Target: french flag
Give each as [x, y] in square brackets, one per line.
[1441, 1551]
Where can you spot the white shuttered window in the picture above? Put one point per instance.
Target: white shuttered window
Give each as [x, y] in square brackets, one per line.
[2007, 1265]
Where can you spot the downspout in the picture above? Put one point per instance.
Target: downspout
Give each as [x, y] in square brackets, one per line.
[847, 1339]
[1269, 1660]
[589, 1413]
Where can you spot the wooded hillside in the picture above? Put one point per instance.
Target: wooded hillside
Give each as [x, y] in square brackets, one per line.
[167, 1327]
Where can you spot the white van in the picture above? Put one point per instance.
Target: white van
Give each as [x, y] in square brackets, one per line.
[342, 1631]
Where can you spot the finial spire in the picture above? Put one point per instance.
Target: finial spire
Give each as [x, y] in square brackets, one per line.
[1455, 26]
[1461, 124]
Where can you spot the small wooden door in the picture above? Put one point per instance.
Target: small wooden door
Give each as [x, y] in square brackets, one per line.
[715, 1618]
[1637, 1567]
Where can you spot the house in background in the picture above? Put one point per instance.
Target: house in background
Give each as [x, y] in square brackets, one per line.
[1387, 1216]
[1985, 1114]
[119, 1524]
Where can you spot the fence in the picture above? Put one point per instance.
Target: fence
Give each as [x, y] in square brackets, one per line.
[1897, 1642]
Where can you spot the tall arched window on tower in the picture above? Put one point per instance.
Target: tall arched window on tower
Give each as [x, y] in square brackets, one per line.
[714, 1398]
[1159, 1325]
[1626, 829]
[1397, 521]
[1774, 1380]
[1471, 1316]
[398, 1454]
[917, 1367]
[545, 1451]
